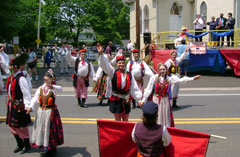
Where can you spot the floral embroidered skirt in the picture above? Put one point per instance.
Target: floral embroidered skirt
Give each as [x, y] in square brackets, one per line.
[47, 129]
[102, 88]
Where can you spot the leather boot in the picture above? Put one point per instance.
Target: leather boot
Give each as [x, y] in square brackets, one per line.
[100, 103]
[20, 144]
[175, 103]
[49, 153]
[83, 103]
[133, 104]
[79, 101]
[27, 146]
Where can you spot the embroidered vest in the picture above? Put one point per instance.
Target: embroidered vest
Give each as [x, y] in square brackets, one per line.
[46, 101]
[117, 84]
[173, 69]
[15, 90]
[161, 89]
[149, 139]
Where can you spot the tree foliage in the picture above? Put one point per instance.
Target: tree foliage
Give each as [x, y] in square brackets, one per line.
[64, 19]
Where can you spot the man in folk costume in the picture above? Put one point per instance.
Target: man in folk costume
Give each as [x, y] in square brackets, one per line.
[83, 70]
[123, 85]
[18, 104]
[138, 68]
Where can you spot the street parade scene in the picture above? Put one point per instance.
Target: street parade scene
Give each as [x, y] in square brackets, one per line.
[122, 78]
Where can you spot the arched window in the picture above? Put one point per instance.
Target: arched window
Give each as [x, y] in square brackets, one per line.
[140, 19]
[146, 19]
[203, 11]
[174, 10]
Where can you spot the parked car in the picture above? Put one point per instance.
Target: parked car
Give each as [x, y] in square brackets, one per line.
[91, 55]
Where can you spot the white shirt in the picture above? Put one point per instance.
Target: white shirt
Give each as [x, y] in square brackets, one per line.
[130, 46]
[198, 23]
[63, 51]
[82, 68]
[166, 138]
[172, 80]
[24, 89]
[137, 69]
[35, 99]
[4, 63]
[109, 70]
[169, 62]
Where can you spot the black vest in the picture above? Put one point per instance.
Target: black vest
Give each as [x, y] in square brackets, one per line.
[149, 139]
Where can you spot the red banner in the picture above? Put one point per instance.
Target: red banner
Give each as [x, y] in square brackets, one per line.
[115, 140]
[232, 56]
[160, 56]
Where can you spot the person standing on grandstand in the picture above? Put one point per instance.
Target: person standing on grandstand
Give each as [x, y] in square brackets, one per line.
[198, 26]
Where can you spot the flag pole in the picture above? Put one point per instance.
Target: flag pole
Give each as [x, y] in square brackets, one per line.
[217, 136]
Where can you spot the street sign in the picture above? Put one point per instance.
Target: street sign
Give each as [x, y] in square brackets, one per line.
[38, 41]
[16, 40]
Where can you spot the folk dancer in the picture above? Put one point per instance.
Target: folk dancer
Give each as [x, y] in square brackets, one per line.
[159, 87]
[138, 68]
[150, 137]
[103, 84]
[83, 70]
[174, 70]
[123, 85]
[47, 129]
[18, 104]
[4, 62]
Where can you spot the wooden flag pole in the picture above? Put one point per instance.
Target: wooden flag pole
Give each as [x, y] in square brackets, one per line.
[217, 136]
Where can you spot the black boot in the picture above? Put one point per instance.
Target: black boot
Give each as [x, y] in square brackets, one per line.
[175, 103]
[79, 101]
[83, 103]
[20, 144]
[49, 153]
[100, 103]
[27, 146]
[133, 104]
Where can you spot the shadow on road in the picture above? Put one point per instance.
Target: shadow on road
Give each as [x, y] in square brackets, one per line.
[183, 107]
[72, 151]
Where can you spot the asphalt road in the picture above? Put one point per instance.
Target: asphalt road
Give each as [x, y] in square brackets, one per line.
[209, 105]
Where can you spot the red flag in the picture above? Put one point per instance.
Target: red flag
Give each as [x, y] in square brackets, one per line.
[232, 56]
[115, 140]
[160, 56]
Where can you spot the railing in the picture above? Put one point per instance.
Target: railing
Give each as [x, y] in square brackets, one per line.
[163, 40]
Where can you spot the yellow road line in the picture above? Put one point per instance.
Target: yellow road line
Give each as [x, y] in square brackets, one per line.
[177, 120]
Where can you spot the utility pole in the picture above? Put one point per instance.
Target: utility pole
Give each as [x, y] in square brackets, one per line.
[38, 30]
[137, 25]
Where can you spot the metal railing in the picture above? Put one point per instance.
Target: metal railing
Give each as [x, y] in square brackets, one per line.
[163, 40]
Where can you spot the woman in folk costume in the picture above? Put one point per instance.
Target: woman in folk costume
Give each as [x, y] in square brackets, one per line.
[18, 104]
[103, 85]
[123, 85]
[47, 129]
[174, 70]
[160, 87]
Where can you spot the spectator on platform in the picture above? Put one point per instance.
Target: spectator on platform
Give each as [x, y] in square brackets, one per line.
[221, 24]
[230, 25]
[198, 26]
[184, 64]
[212, 26]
